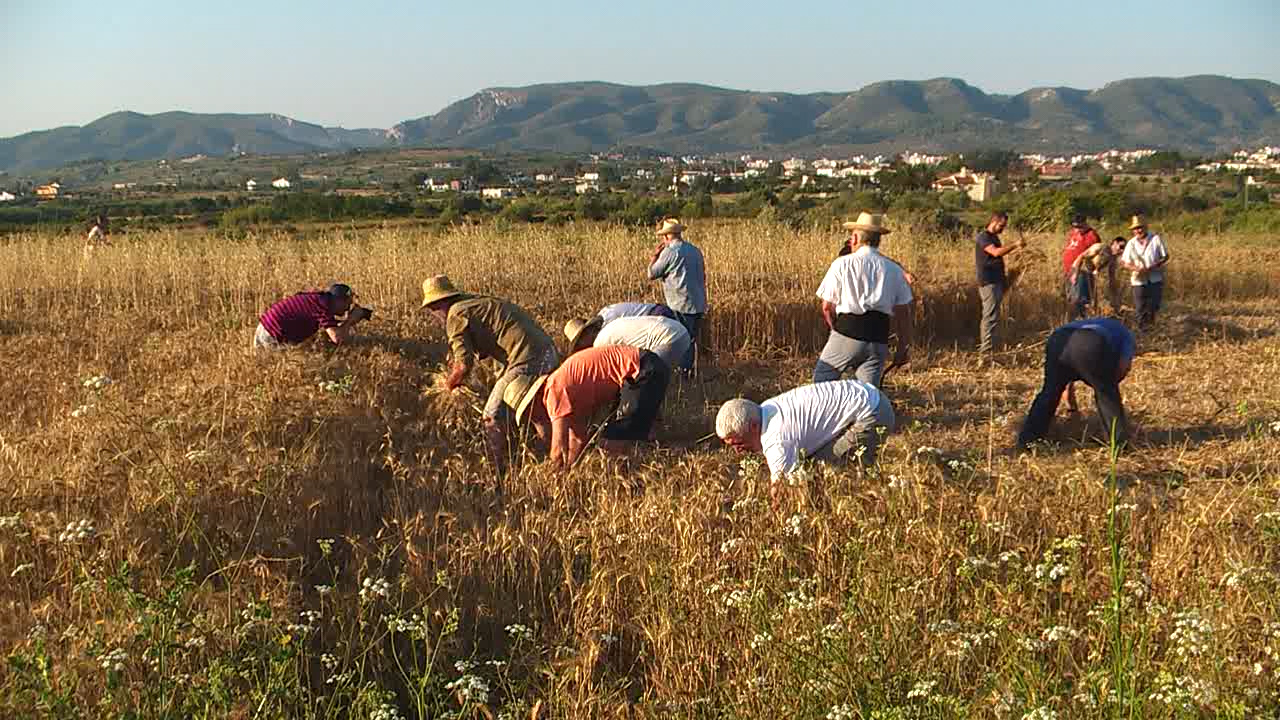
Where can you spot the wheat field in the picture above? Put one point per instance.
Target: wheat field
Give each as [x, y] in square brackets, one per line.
[192, 531]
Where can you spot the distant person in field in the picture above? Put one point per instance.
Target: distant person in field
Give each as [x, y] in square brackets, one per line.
[295, 319]
[678, 264]
[487, 328]
[1083, 244]
[627, 383]
[1096, 351]
[834, 422]
[663, 336]
[864, 294]
[609, 313]
[1145, 257]
[98, 231]
[992, 280]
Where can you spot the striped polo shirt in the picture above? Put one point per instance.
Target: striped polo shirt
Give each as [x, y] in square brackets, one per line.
[298, 317]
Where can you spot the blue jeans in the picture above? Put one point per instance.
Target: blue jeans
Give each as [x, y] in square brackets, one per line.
[1080, 294]
[693, 323]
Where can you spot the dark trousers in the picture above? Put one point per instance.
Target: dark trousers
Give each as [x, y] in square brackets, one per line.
[1147, 300]
[1072, 355]
[639, 401]
[693, 323]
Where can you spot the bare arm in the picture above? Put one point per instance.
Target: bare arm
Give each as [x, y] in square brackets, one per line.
[341, 333]
[457, 374]
[560, 443]
[1001, 251]
[829, 314]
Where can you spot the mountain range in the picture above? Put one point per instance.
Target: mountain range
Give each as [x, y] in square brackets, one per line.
[1199, 114]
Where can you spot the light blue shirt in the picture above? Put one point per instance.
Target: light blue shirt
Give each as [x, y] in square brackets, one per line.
[684, 280]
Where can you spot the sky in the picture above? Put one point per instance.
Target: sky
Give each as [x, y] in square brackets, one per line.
[376, 63]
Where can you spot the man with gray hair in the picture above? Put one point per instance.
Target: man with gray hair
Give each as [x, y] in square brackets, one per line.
[863, 294]
[830, 421]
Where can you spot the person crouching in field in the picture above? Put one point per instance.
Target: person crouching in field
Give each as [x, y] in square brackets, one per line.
[862, 294]
[1077, 276]
[295, 319]
[662, 336]
[559, 406]
[1145, 257]
[833, 422]
[1097, 351]
[609, 313]
[679, 265]
[487, 328]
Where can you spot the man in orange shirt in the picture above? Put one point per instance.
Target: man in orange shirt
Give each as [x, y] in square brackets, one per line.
[561, 405]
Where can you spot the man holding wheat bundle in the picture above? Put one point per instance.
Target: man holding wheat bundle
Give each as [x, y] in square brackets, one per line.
[992, 281]
[487, 328]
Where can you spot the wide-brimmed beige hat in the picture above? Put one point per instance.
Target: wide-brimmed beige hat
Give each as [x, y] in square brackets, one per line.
[1139, 221]
[520, 394]
[670, 226]
[577, 327]
[436, 288]
[871, 222]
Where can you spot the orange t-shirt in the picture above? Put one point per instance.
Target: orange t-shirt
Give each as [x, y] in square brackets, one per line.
[590, 378]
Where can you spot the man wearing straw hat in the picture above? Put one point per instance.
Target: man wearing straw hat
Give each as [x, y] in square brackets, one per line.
[863, 294]
[487, 328]
[992, 280]
[560, 406]
[1145, 257]
[662, 336]
[678, 264]
[295, 319]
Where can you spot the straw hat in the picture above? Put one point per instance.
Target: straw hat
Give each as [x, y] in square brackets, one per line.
[576, 328]
[436, 288]
[670, 226]
[520, 393]
[1139, 221]
[871, 222]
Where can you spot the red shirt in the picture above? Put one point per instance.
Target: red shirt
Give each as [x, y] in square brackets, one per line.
[298, 317]
[1078, 240]
[589, 379]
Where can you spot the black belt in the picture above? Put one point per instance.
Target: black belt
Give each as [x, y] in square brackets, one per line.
[871, 326]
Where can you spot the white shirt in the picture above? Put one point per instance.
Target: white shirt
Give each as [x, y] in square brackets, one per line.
[661, 336]
[1145, 254]
[805, 419]
[864, 280]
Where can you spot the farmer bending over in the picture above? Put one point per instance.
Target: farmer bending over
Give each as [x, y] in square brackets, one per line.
[662, 336]
[296, 318]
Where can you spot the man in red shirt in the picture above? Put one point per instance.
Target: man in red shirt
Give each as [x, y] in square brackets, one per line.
[296, 318]
[561, 405]
[1078, 279]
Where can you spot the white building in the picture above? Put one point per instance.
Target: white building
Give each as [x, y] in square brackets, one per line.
[583, 188]
[591, 177]
[251, 185]
[7, 196]
[497, 193]
[281, 184]
[544, 177]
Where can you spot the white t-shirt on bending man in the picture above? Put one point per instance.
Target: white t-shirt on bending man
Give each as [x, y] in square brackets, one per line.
[661, 336]
[805, 419]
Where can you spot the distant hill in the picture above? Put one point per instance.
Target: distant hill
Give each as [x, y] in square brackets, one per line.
[1199, 114]
[133, 136]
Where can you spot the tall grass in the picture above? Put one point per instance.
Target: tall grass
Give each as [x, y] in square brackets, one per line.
[192, 531]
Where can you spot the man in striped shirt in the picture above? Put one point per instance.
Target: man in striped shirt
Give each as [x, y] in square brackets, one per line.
[296, 318]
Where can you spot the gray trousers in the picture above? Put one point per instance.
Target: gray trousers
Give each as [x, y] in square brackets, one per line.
[263, 340]
[991, 295]
[843, 352]
[543, 362]
[864, 434]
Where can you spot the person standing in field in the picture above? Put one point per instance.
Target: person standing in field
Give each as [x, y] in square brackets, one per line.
[832, 422]
[1078, 276]
[663, 336]
[863, 294]
[1097, 351]
[609, 313]
[631, 381]
[487, 328]
[678, 264]
[1145, 257]
[992, 281]
[98, 231]
[295, 319]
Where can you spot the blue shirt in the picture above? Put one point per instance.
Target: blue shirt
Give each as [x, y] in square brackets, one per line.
[990, 269]
[684, 280]
[609, 313]
[1113, 331]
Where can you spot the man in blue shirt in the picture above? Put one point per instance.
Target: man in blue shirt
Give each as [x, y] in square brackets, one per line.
[1097, 351]
[678, 264]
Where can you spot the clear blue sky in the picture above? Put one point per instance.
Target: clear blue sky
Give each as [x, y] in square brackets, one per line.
[375, 63]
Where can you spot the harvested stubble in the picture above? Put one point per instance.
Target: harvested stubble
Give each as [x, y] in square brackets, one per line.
[662, 585]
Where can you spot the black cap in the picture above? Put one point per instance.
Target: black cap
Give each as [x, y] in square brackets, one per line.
[339, 290]
[1078, 220]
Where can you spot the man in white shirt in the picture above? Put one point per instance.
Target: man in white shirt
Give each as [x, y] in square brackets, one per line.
[832, 421]
[609, 313]
[1145, 257]
[862, 294]
[662, 336]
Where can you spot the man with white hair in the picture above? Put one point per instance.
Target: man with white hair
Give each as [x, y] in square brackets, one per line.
[830, 421]
[863, 295]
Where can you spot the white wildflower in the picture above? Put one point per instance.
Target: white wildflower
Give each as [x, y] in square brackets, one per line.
[730, 545]
[77, 531]
[842, 712]
[371, 588]
[470, 688]
[323, 590]
[385, 711]
[923, 690]
[519, 632]
[1058, 633]
[795, 525]
[96, 382]
[114, 660]
[1044, 712]
[1192, 634]
[899, 483]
